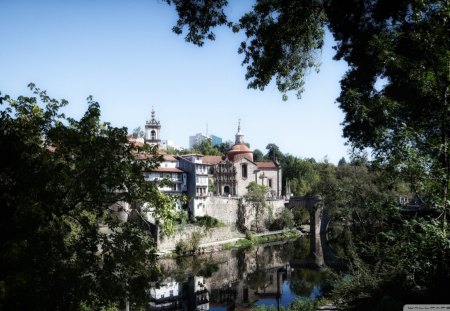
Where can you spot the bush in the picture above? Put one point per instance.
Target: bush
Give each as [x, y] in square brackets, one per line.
[182, 247]
[207, 221]
[249, 235]
[286, 220]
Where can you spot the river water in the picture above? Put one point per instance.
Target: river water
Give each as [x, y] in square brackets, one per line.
[272, 274]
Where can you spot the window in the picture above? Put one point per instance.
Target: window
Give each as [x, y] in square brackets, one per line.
[153, 135]
[244, 170]
[270, 183]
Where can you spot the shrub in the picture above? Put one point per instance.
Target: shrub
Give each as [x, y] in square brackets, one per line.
[182, 247]
[249, 235]
[207, 221]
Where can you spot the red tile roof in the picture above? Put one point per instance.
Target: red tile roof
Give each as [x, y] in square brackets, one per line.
[264, 165]
[167, 170]
[169, 157]
[212, 160]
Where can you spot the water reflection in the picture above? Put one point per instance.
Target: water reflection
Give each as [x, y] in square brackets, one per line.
[272, 275]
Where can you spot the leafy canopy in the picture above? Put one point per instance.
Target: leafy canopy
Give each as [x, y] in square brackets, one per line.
[62, 247]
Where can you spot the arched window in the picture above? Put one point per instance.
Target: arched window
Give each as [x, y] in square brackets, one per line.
[226, 190]
[153, 135]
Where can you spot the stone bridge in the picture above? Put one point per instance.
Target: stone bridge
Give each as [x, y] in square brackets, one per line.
[314, 205]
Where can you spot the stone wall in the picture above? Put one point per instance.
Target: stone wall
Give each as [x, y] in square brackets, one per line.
[212, 235]
[225, 210]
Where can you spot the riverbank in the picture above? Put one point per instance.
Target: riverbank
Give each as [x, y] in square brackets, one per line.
[237, 242]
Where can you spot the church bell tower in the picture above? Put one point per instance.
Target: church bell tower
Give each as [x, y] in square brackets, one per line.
[152, 130]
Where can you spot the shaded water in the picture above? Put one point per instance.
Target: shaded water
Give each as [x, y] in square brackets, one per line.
[272, 274]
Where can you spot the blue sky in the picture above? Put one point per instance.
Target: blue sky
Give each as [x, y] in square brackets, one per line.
[125, 55]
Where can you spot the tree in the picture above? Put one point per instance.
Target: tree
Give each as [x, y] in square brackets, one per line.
[301, 174]
[273, 153]
[283, 37]
[395, 97]
[256, 197]
[258, 156]
[137, 132]
[206, 148]
[224, 147]
[404, 118]
[61, 245]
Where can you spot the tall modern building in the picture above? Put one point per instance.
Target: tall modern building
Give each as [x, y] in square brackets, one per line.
[215, 140]
[199, 138]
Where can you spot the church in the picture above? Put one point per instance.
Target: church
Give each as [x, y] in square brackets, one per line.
[233, 173]
[228, 175]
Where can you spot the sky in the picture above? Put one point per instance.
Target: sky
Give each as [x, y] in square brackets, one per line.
[126, 56]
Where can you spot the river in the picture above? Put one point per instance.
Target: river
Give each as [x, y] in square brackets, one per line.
[272, 274]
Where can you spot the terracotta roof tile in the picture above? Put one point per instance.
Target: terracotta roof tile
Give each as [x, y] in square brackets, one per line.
[169, 157]
[167, 170]
[266, 165]
[212, 160]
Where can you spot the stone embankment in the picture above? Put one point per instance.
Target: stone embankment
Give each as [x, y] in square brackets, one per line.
[212, 240]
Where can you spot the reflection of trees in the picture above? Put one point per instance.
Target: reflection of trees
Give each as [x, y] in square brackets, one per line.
[192, 265]
[286, 251]
[257, 279]
[241, 266]
[303, 281]
[301, 247]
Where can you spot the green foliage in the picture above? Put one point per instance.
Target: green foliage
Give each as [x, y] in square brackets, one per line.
[206, 148]
[302, 175]
[182, 247]
[189, 246]
[244, 243]
[299, 304]
[395, 97]
[137, 132]
[249, 235]
[256, 198]
[224, 147]
[301, 216]
[284, 221]
[207, 221]
[182, 218]
[212, 186]
[273, 153]
[60, 244]
[258, 156]
[405, 118]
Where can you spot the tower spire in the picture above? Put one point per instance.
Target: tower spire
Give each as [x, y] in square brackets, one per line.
[239, 135]
[152, 130]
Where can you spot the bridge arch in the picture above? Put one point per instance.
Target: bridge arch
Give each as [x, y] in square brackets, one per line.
[314, 205]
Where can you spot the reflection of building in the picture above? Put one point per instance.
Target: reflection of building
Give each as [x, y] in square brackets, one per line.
[199, 295]
[168, 296]
[172, 295]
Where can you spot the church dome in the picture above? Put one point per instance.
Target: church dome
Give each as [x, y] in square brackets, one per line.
[239, 149]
